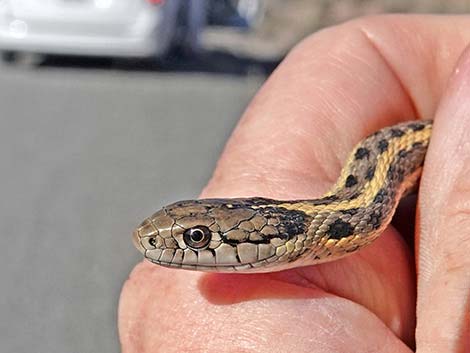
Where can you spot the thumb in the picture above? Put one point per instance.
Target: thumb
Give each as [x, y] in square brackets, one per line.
[444, 239]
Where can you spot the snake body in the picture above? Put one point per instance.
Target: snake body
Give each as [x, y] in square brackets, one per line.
[263, 235]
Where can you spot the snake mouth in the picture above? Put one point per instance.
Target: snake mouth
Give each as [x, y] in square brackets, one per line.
[137, 243]
[240, 267]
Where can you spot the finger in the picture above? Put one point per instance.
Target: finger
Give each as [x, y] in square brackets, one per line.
[444, 264]
[161, 312]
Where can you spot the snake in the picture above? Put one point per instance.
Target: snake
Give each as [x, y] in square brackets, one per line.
[259, 234]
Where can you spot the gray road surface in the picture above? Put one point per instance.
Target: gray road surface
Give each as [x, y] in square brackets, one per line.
[86, 154]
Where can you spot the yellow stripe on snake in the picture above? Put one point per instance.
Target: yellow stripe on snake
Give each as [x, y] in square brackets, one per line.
[264, 235]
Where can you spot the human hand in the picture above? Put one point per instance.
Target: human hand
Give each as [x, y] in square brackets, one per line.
[336, 87]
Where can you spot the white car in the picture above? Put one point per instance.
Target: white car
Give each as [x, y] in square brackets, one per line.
[114, 28]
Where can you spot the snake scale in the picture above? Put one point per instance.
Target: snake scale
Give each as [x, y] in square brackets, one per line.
[263, 235]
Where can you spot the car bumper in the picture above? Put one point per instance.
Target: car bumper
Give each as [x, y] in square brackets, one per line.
[19, 35]
[78, 45]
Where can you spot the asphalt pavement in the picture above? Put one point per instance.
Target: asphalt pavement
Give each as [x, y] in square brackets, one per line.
[87, 153]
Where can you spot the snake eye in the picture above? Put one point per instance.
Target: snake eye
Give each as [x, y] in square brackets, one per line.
[197, 238]
[153, 242]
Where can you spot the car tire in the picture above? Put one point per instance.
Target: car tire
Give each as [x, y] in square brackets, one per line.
[23, 59]
[8, 57]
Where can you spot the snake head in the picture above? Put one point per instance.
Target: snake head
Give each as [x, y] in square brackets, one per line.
[221, 235]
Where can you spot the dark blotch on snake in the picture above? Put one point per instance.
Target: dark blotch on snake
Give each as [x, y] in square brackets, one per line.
[380, 196]
[382, 145]
[396, 133]
[351, 180]
[370, 173]
[361, 153]
[416, 127]
[403, 153]
[292, 223]
[340, 229]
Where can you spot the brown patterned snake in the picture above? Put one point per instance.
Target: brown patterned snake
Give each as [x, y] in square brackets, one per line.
[264, 235]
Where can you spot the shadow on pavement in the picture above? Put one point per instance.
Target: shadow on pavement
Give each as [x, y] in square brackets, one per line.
[177, 61]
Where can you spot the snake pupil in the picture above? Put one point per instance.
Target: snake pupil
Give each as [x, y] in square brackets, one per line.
[197, 238]
[197, 235]
[152, 242]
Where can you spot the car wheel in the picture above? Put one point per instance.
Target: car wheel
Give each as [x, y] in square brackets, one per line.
[9, 57]
[22, 58]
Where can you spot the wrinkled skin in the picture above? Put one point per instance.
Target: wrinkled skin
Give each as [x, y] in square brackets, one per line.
[337, 86]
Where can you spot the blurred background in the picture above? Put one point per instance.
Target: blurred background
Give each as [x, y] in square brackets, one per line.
[110, 109]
